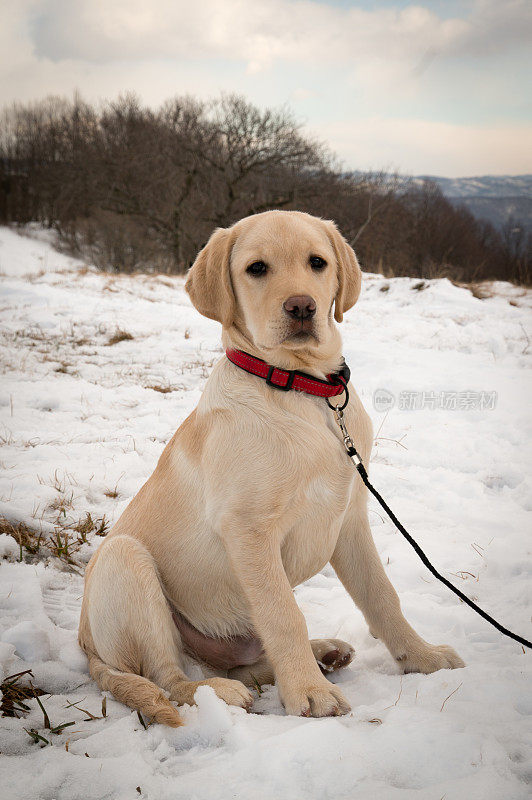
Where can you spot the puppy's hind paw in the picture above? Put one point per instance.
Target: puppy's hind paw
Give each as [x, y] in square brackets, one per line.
[234, 693]
[332, 654]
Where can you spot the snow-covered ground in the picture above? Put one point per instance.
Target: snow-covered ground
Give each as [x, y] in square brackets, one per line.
[82, 425]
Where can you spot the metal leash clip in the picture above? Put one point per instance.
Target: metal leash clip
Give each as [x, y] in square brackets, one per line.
[348, 442]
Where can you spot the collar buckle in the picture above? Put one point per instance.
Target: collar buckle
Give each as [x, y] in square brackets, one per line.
[289, 381]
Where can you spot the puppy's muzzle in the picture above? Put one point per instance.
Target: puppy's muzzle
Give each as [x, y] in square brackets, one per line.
[300, 310]
[300, 307]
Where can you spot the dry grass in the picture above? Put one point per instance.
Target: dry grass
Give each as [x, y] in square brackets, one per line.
[57, 482]
[61, 503]
[85, 526]
[482, 291]
[63, 543]
[119, 336]
[6, 438]
[162, 280]
[256, 685]
[100, 525]
[16, 689]
[450, 695]
[27, 538]
[198, 366]
[37, 737]
[398, 696]
[13, 693]
[161, 389]
[63, 368]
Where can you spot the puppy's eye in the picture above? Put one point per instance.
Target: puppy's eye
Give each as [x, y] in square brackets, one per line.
[317, 263]
[257, 269]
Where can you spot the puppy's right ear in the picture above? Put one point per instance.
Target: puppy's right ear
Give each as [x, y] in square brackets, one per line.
[209, 280]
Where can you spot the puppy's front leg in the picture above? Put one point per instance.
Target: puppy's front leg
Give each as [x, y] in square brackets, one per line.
[256, 560]
[357, 564]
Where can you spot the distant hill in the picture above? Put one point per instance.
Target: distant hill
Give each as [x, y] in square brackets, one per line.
[492, 197]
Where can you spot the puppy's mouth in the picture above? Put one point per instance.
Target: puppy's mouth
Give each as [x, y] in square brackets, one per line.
[293, 335]
[301, 336]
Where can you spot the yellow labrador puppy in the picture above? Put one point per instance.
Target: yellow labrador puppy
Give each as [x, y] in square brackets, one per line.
[253, 495]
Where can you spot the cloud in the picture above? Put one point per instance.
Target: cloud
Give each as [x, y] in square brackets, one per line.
[15, 43]
[301, 93]
[384, 84]
[263, 33]
[415, 146]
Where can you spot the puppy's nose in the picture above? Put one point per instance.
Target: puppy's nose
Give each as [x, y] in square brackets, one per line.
[300, 306]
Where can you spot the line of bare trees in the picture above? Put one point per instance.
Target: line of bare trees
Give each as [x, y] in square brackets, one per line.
[132, 188]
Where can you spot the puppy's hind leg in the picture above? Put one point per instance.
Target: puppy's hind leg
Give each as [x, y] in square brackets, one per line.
[129, 635]
[331, 654]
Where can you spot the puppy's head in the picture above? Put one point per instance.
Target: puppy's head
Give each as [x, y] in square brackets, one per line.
[276, 277]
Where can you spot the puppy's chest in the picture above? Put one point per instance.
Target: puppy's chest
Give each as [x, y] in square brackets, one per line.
[326, 494]
[320, 505]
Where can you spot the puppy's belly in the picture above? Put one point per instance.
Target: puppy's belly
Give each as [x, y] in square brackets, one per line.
[235, 651]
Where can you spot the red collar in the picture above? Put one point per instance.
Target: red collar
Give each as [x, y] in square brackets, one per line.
[290, 379]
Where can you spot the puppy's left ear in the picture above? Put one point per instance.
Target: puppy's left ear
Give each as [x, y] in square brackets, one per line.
[209, 280]
[349, 274]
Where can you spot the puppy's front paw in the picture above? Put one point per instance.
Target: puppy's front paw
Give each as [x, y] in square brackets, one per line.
[430, 659]
[314, 700]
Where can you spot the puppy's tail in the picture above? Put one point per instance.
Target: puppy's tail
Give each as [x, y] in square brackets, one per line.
[136, 692]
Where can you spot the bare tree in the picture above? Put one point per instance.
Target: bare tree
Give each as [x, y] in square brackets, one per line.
[138, 188]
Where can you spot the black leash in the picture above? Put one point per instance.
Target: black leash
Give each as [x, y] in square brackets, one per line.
[357, 461]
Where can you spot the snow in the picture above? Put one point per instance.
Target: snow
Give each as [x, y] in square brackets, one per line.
[8, 546]
[81, 429]
[31, 642]
[32, 253]
[483, 185]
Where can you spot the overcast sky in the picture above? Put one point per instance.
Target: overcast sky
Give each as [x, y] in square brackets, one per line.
[438, 88]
